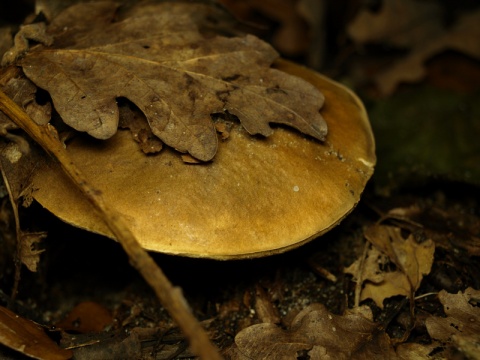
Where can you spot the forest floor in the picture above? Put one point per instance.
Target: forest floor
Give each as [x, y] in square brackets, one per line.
[397, 278]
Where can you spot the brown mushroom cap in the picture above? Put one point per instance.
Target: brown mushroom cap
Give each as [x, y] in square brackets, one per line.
[257, 197]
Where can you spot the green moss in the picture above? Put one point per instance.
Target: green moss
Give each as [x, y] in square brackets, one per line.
[427, 132]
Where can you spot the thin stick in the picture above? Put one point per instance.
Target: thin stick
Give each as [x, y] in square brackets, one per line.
[171, 297]
[17, 262]
[359, 274]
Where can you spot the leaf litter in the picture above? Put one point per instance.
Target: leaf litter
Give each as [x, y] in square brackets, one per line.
[158, 59]
[411, 262]
[179, 79]
[315, 331]
[133, 119]
[28, 338]
[419, 28]
[395, 258]
[453, 330]
[461, 328]
[18, 162]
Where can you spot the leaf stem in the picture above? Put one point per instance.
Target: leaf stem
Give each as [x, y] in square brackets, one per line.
[170, 297]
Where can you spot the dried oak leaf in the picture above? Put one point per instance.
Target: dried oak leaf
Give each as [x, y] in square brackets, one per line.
[19, 160]
[401, 23]
[412, 261]
[462, 37]
[29, 254]
[134, 120]
[157, 58]
[416, 25]
[23, 92]
[16, 171]
[318, 333]
[461, 327]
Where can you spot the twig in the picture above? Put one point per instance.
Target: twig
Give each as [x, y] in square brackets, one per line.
[171, 297]
[359, 275]
[17, 261]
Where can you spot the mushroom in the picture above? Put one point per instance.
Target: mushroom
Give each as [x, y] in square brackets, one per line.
[259, 196]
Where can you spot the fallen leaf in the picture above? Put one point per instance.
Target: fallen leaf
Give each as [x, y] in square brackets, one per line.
[187, 159]
[377, 283]
[316, 333]
[412, 261]
[29, 254]
[392, 284]
[86, 317]
[23, 92]
[369, 267]
[445, 225]
[134, 120]
[400, 23]
[16, 171]
[18, 161]
[461, 327]
[35, 32]
[412, 258]
[224, 128]
[28, 338]
[157, 58]
[418, 27]
[462, 37]
[409, 351]
[264, 307]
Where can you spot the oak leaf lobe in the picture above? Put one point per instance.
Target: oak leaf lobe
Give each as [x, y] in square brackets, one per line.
[172, 72]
